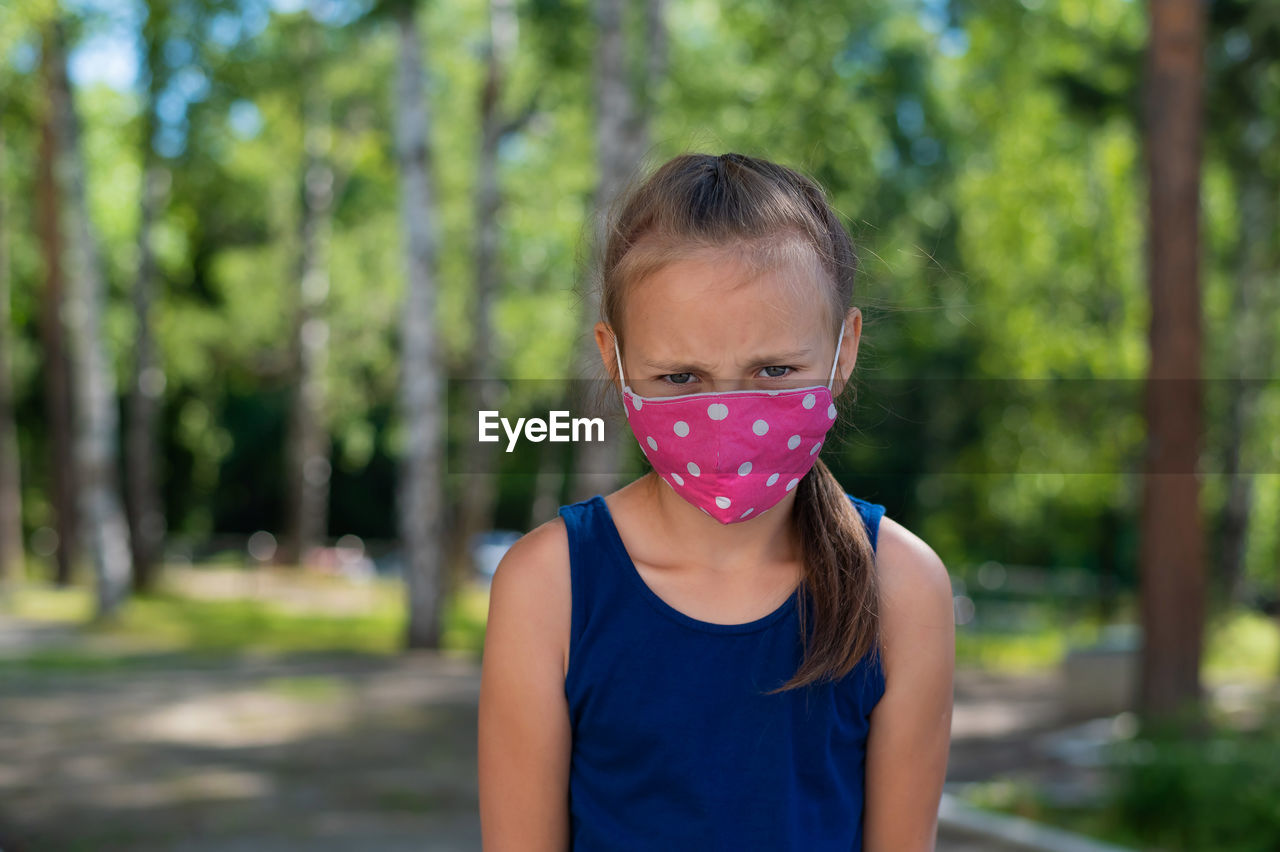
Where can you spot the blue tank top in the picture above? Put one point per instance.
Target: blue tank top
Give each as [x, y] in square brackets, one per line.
[673, 746]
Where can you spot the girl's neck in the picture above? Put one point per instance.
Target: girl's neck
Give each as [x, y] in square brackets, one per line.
[681, 534]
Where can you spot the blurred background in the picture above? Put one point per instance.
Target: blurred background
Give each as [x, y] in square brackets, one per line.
[261, 261]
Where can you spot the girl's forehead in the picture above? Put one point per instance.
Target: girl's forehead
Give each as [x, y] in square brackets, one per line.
[718, 302]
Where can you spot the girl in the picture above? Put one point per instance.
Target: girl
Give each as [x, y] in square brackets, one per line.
[729, 653]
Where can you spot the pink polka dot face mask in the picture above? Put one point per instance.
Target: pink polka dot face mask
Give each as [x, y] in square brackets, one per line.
[733, 454]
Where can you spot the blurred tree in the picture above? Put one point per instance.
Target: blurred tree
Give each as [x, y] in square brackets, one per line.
[1172, 559]
[480, 389]
[56, 371]
[623, 110]
[307, 445]
[96, 419]
[1242, 129]
[11, 549]
[986, 156]
[143, 505]
[421, 498]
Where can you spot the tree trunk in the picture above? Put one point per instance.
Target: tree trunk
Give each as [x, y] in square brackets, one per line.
[56, 366]
[549, 480]
[1108, 566]
[622, 135]
[96, 417]
[11, 549]
[420, 499]
[1172, 561]
[478, 463]
[309, 445]
[143, 504]
[1253, 311]
[655, 71]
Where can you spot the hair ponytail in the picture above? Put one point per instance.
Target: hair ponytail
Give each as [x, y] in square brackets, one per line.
[840, 578]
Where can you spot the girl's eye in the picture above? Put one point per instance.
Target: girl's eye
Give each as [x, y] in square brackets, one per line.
[769, 375]
[678, 378]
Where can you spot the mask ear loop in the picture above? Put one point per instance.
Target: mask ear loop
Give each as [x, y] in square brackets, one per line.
[834, 361]
[618, 355]
[621, 377]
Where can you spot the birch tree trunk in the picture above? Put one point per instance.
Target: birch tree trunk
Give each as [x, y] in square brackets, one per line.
[56, 366]
[309, 445]
[1172, 561]
[11, 549]
[143, 505]
[96, 419]
[655, 72]
[420, 500]
[622, 139]
[478, 463]
[597, 467]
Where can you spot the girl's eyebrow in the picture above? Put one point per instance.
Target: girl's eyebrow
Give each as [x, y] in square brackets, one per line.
[779, 358]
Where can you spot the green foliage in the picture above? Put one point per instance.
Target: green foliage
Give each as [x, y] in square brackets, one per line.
[1221, 791]
[1243, 646]
[1024, 799]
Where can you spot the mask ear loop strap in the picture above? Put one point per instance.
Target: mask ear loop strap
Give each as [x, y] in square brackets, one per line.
[618, 354]
[834, 361]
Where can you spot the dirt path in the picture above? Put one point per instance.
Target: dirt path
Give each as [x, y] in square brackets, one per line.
[314, 752]
[320, 752]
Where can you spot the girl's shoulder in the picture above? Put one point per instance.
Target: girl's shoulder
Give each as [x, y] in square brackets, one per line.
[536, 555]
[532, 584]
[915, 587]
[907, 562]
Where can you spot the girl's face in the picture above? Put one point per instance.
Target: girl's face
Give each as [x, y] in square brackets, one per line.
[705, 324]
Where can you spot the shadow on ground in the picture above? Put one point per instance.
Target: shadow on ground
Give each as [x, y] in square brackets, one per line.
[322, 752]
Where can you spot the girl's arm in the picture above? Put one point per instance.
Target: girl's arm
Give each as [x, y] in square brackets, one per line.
[524, 734]
[910, 735]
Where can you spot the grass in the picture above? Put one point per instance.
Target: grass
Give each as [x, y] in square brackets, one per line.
[1243, 647]
[1011, 653]
[1167, 791]
[73, 605]
[1022, 799]
[316, 688]
[149, 630]
[1037, 643]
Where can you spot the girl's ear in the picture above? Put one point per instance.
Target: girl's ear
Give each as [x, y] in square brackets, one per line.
[605, 343]
[848, 348]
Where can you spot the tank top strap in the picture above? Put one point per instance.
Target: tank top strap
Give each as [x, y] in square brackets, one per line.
[871, 514]
[597, 563]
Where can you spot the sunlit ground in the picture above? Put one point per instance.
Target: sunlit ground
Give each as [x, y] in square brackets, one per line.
[222, 610]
